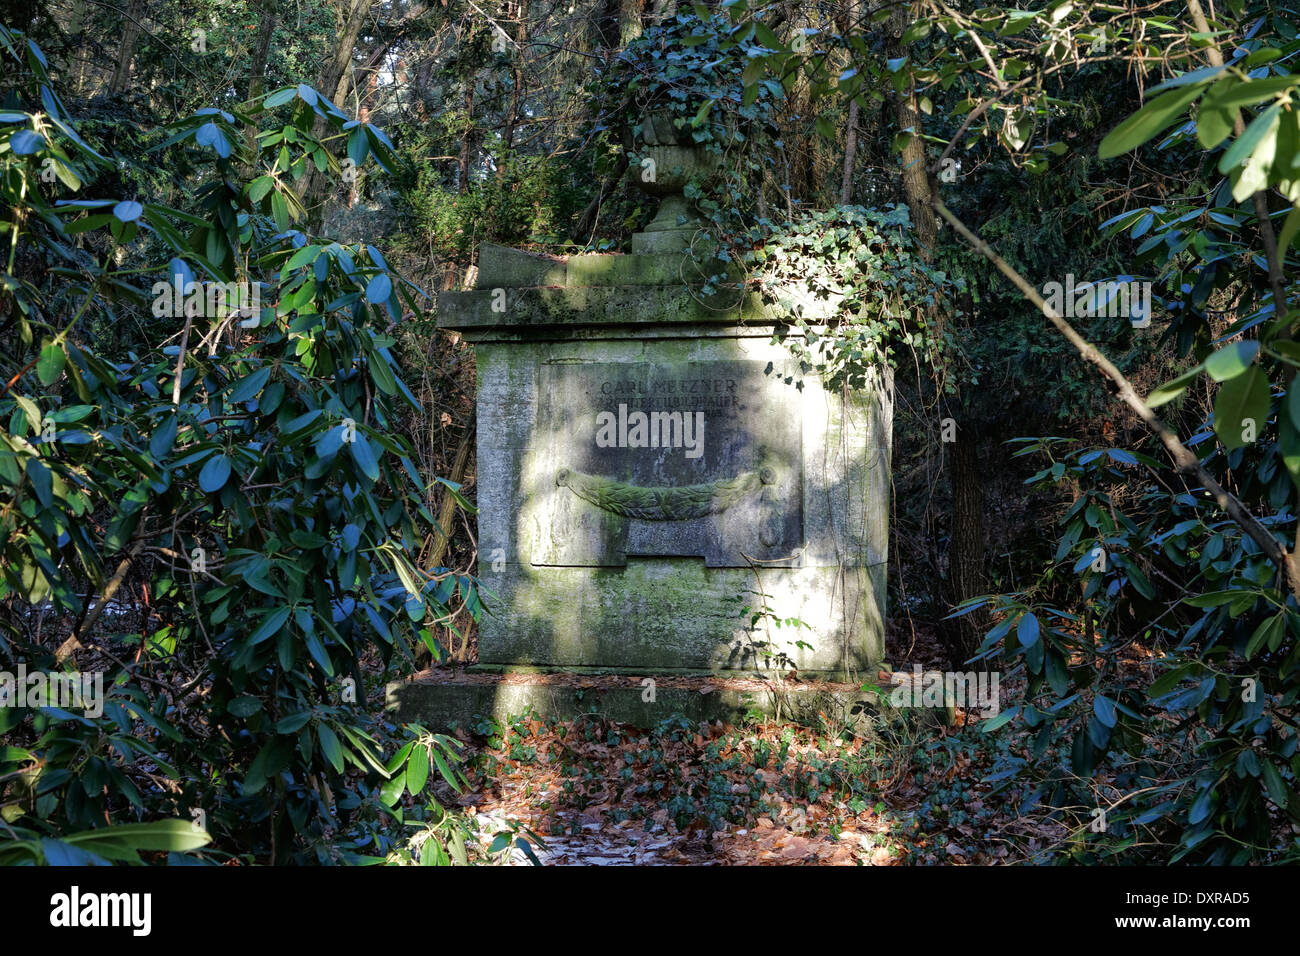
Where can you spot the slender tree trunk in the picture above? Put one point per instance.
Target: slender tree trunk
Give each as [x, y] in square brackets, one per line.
[463, 166]
[517, 85]
[850, 155]
[266, 21]
[587, 220]
[466, 140]
[126, 49]
[967, 550]
[916, 178]
[76, 26]
[844, 23]
[966, 546]
[630, 24]
[332, 81]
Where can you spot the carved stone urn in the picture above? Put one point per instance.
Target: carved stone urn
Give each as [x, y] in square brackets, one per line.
[667, 161]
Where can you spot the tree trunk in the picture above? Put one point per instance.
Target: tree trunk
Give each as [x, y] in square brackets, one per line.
[466, 141]
[844, 23]
[257, 70]
[916, 179]
[332, 81]
[516, 87]
[850, 155]
[586, 222]
[126, 50]
[266, 22]
[966, 550]
[966, 544]
[76, 27]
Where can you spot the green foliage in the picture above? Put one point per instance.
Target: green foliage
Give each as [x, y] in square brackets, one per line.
[691, 69]
[246, 461]
[1197, 761]
[529, 203]
[122, 843]
[685, 80]
[859, 293]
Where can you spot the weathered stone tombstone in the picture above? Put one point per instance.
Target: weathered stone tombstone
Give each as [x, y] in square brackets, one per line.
[657, 484]
[661, 492]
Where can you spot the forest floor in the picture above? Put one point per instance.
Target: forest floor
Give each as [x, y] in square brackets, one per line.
[595, 792]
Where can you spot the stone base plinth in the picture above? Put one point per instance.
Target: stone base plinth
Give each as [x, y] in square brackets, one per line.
[661, 487]
[442, 702]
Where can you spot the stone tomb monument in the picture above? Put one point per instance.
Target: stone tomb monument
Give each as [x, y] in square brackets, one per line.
[650, 476]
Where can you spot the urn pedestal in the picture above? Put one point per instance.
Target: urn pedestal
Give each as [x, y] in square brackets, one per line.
[657, 485]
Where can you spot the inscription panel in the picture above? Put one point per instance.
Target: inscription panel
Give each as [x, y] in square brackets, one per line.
[698, 459]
